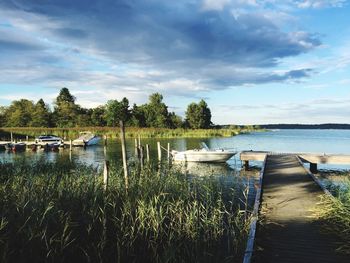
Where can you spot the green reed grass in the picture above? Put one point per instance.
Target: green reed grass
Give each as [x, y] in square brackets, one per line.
[334, 212]
[59, 212]
[131, 132]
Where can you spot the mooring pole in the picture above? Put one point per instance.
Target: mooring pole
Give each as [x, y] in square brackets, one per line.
[147, 152]
[136, 149]
[70, 145]
[125, 165]
[141, 156]
[168, 152]
[105, 139]
[159, 152]
[11, 137]
[105, 175]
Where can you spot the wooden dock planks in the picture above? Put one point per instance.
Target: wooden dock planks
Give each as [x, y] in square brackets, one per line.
[288, 234]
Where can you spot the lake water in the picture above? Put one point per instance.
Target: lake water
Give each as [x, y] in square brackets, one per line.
[313, 141]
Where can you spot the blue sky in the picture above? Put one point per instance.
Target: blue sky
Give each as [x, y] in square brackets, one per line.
[253, 61]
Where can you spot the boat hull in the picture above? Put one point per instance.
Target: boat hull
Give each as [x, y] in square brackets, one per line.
[93, 141]
[209, 157]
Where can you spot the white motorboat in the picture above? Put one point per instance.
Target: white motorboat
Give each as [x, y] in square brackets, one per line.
[203, 155]
[48, 139]
[86, 139]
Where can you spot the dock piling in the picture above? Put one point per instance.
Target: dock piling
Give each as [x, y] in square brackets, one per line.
[246, 165]
[105, 140]
[313, 168]
[105, 175]
[159, 152]
[147, 152]
[125, 165]
[168, 152]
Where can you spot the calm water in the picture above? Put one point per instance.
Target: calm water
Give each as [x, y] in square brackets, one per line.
[313, 141]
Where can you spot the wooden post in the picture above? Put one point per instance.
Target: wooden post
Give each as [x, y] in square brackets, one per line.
[105, 151]
[313, 168]
[147, 152]
[136, 149]
[141, 156]
[105, 140]
[11, 137]
[70, 145]
[246, 165]
[125, 165]
[139, 142]
[159, 152]
[168, 154]
[105, 174]
[27, 138]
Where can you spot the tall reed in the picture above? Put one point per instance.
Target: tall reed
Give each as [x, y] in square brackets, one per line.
[334, 212]
[59, 212]
[131, 132]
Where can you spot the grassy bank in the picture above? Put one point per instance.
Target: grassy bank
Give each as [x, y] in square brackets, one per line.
[334, 212]
[59, 212]
[131, 132]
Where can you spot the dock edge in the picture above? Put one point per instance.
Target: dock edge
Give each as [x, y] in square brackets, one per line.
[253, 225]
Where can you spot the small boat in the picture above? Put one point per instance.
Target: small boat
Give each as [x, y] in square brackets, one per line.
[15, 147]
[204, 155]
[86, 139]
[48, 139]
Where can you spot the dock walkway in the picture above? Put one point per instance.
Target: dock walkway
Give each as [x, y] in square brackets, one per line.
[288, 234]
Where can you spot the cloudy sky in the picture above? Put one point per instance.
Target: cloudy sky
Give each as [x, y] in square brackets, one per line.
[253, 61]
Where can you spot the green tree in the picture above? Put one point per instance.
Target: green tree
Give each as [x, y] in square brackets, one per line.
[156, 112]
[19, 113]
[198, 116]
[117, 111]
[2, 116]
[98, 116]
[65, 111]
[175, 121]
[41, 116]
[84, 117]
[138, 118]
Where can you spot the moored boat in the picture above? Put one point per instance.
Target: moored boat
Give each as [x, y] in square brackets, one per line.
[203, 155]
[15, 147]
[48, 139]
[86, 139]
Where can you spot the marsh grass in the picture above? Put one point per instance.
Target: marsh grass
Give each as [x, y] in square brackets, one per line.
[59, 212]
[131, 132]
[334, 212]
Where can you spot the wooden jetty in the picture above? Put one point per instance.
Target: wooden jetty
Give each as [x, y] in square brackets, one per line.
[312, 158]
[288, 233]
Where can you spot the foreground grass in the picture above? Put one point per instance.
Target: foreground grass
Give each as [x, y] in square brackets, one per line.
[131, 132]
[334, 212]
[59, 212]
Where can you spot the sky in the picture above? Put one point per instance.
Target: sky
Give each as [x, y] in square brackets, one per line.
[253, 61]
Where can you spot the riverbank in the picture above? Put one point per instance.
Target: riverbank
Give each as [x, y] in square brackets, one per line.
[130, 132]
[60, 211]
[334, 211]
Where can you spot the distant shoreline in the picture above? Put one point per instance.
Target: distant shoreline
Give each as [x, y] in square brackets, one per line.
[335, 126]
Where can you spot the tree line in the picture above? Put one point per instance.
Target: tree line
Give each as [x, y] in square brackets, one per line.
[66, 113]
